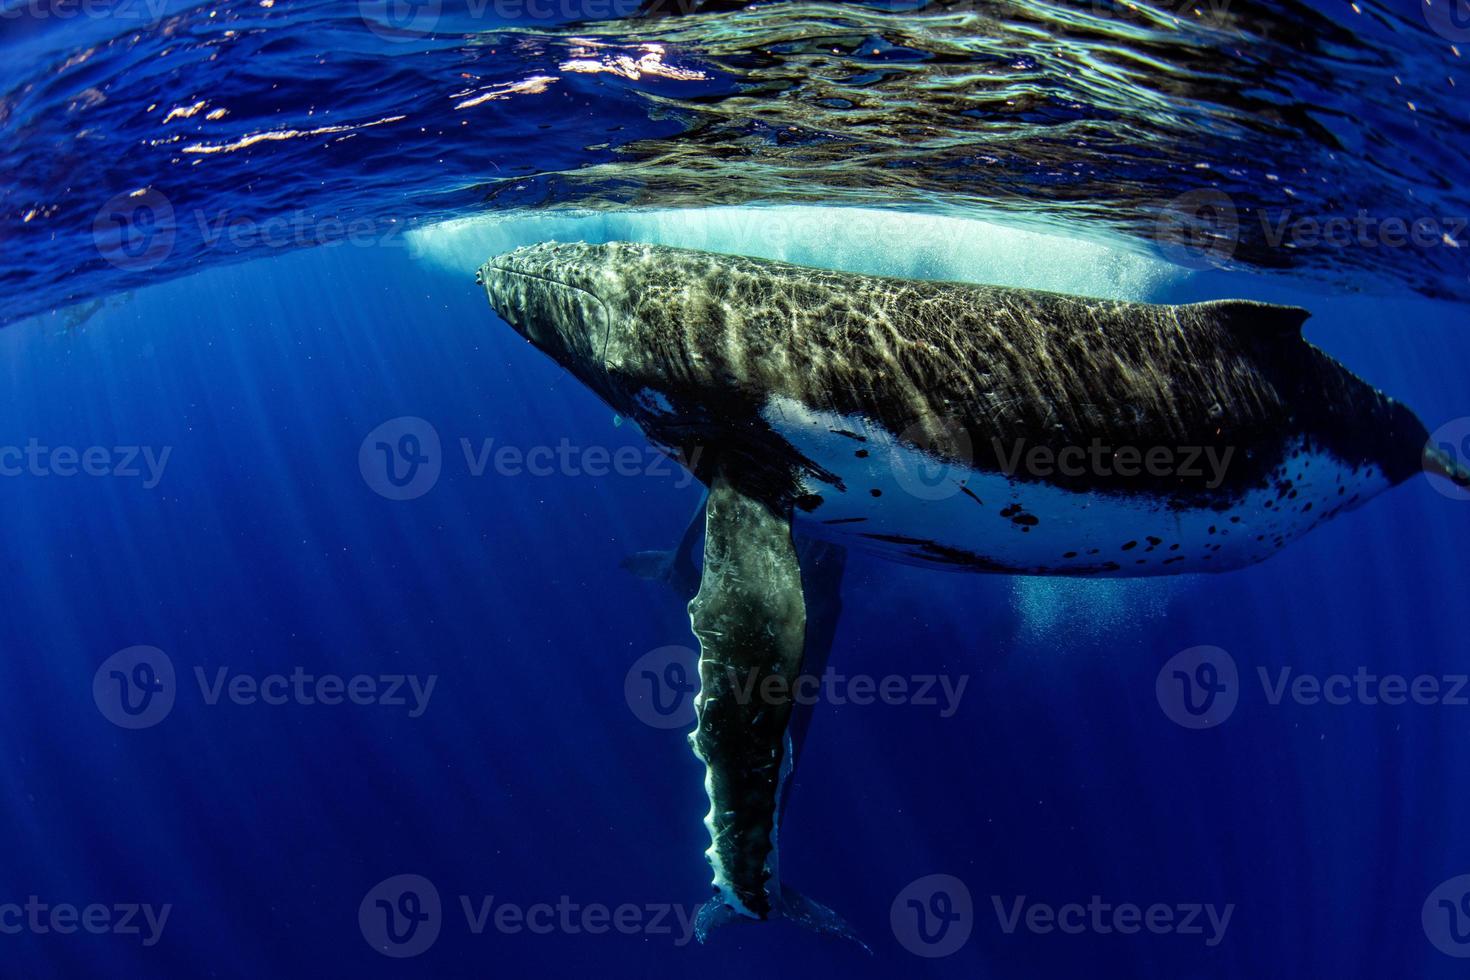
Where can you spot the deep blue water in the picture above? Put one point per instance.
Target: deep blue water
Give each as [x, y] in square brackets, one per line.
[528, 777]
[263, 549]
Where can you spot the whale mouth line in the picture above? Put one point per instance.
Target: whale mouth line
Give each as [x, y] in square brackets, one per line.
[530, 275]
[494, 266]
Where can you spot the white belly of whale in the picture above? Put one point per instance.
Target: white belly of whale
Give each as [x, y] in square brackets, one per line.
[896, 499]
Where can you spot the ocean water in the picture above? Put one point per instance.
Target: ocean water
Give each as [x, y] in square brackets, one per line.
[239, 245]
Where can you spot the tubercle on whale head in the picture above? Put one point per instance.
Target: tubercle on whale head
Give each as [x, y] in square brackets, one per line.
[587, 307]
[546, 301]
[549, 294]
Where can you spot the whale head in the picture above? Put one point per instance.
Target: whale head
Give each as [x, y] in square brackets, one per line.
[556, 296]
[636, 323]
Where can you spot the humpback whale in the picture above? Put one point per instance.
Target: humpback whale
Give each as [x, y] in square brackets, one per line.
[963, 427]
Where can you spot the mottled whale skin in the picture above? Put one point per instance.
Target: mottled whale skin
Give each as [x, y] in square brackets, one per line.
[840, 393]
[916, 418]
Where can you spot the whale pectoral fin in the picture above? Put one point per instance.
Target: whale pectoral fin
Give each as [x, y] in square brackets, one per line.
[750, 618]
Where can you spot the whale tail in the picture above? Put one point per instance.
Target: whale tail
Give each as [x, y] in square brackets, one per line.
[1441, 463]
[787, 903]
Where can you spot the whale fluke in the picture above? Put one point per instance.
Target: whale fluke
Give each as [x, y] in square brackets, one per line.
[791, 905]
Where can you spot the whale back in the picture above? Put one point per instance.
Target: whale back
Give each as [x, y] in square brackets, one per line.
[953, 366]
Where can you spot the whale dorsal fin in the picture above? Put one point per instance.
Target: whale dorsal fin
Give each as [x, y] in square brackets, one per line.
[1248, 315]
